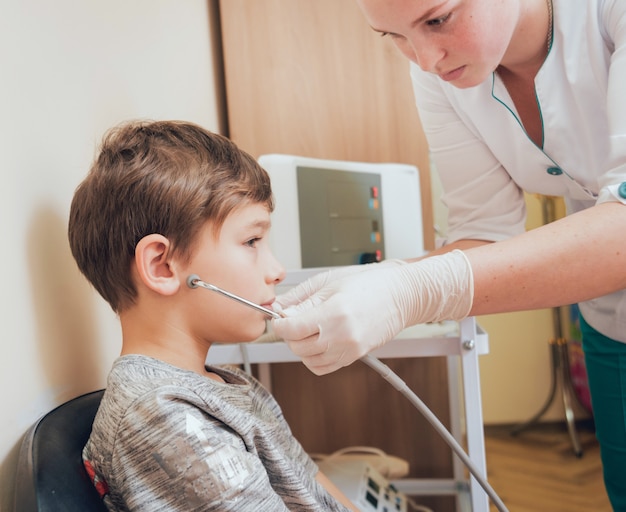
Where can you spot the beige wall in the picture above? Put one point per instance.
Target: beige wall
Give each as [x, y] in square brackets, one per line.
[69, 71]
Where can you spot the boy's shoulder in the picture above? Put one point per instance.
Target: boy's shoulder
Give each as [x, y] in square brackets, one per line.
[147, 396]
[140, 385]
[135, 378]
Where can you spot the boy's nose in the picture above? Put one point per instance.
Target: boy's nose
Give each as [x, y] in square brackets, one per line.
[277, 272]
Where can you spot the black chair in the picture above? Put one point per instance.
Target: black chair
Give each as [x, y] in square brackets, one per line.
[50, 474]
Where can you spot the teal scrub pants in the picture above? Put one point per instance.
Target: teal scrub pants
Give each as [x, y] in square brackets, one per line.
[605, 360]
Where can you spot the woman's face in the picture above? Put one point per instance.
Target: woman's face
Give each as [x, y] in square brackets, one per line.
[461, 41]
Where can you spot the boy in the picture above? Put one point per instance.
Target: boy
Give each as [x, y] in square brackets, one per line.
[162, 201]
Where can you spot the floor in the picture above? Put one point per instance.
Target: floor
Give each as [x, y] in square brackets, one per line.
[537, 470]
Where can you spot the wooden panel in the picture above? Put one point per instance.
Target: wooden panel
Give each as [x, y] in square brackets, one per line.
[369, 411]
[310, 78]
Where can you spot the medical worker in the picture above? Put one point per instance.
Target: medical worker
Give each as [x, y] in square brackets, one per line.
[514, 95]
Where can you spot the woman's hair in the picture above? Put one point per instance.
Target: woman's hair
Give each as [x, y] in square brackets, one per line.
[165, 177]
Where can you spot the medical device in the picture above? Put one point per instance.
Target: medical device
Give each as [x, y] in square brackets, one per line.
[331, 213]
[364, 486]
[194, 281]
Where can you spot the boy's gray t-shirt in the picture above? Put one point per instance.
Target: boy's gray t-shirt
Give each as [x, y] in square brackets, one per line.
[167, 439]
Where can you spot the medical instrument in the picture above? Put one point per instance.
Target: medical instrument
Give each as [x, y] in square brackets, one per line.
[194, 281]
[389, 466]
[364, 486]
[334, 212]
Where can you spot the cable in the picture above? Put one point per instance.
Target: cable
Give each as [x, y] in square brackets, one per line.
[388, 466]
[401, 386]
[243, 349]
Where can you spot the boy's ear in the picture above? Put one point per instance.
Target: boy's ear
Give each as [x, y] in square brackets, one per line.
[153, 264]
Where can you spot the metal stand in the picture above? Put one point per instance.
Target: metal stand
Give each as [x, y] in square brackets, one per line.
[559, 357]
[560, 379]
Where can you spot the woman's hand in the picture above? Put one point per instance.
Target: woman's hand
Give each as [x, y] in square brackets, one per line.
[339, 320]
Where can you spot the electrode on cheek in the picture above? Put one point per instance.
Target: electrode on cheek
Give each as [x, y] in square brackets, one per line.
[194, 281]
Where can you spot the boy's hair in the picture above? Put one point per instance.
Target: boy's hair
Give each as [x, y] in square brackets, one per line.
[165, 177]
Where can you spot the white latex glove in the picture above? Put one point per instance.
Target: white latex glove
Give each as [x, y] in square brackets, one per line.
[348, 317]
[305, 289]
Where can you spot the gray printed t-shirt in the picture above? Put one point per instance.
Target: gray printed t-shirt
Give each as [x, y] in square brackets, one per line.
[167, 439]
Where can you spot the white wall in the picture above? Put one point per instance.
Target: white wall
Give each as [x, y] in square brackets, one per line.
[68, 71]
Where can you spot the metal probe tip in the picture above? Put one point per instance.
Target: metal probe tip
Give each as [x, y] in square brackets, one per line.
[192, 280]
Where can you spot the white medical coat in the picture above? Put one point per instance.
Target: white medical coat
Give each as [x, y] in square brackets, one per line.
[486, 160]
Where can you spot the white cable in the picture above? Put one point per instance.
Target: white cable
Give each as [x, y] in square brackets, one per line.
[246, 358]
[401, 386]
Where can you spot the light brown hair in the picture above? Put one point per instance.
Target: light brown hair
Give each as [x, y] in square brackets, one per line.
[165, 177]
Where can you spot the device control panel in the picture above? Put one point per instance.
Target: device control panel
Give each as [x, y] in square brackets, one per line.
[341, 219]
[364, 486]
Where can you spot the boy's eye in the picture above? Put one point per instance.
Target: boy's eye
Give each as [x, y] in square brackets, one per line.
[252, 242]
[437, 22]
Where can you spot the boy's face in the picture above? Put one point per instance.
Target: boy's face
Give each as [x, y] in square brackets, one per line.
[239, 261]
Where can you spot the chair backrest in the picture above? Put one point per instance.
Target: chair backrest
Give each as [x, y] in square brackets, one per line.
[50, 475]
